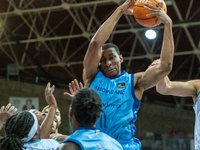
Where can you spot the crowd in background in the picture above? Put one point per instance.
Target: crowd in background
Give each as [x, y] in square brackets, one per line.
[173, 140]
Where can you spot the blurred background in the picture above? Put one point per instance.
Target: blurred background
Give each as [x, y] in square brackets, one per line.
[45, 41]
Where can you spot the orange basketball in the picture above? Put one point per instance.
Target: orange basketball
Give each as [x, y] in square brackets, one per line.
[140, 12]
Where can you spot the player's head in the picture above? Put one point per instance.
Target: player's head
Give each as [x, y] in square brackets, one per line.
[110, 45]
[19, 128]
[40, 115]
[110, 63]
[86, 107]
[57, 120]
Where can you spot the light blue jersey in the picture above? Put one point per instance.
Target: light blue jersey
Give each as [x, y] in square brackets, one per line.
[197, 123]
[120, 106]
[42, 144]
[88, 138]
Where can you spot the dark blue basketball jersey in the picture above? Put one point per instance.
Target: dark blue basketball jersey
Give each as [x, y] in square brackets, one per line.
[88, 138]
[119, 104]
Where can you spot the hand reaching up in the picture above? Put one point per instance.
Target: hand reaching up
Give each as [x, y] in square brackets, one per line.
[158, 12]
[5, 113]
[46, 126]
[74, 86]
[127, 7]
[50, 99]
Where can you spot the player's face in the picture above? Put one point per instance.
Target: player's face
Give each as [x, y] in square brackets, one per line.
[110, 63]
[57, 119]
[55, 125]
[40, 116]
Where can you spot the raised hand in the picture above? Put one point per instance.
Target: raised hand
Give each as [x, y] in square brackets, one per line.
[158, 12]
[5, 113]
[74, 86]
[46, 126]
[50, 99]
[127, 7]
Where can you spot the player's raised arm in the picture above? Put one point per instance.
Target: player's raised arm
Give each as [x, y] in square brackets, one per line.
[94, 51]
[154, 74]
[46, 126]
[176, 88]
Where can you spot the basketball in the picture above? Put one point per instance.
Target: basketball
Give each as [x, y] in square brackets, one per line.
[140, 12]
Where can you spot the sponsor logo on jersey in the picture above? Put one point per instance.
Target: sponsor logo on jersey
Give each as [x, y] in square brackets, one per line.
[121, 85]
[105, 105]
[104, 90]
[97, 131]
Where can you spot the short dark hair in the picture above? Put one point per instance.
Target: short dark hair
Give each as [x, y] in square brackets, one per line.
[17, 127]
[110, 45]
[87, 106]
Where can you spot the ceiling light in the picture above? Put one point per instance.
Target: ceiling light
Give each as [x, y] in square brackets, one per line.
[150, 34]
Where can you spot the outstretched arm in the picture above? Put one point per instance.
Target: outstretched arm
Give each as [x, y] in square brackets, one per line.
[94, 51]
[154, 74]
[46, 126]
[182, 89]
[5, 113]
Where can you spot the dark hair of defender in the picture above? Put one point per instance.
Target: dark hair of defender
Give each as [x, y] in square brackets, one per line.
[87, 106]
[17, 127]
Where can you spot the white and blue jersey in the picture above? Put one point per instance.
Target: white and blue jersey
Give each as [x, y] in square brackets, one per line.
[41, 144]
[88, 138]
[197, 123]
[120, 106]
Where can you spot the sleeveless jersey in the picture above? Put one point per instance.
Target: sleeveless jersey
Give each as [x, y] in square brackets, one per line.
[119, 104]
[197, 123]
[42, 144]
[88, 138]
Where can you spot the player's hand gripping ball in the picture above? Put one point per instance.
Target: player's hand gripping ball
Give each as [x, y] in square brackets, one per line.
[140, 12]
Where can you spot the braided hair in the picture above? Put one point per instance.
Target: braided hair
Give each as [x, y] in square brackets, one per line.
[87, 106]
[16, 127]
